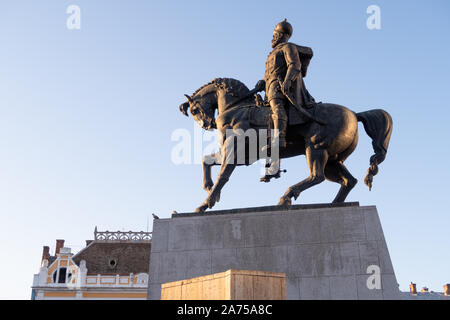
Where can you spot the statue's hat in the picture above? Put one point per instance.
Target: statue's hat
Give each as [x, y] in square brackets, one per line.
[284, 27]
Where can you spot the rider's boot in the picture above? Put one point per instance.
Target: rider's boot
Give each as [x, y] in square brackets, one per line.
[280, 126]
[279, 134]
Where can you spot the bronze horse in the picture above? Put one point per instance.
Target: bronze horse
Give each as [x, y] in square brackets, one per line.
[326, 146]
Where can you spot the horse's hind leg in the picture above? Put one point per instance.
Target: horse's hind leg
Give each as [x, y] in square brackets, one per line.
[335, 171]
[316, 160]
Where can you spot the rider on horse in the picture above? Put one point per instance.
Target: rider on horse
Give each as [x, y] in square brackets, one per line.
[283, 82]
[325, 133]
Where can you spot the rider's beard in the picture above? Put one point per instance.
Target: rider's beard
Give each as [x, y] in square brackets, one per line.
[276, 40]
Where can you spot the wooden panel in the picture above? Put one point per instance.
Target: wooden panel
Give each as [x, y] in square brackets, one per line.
[171, 293]
[229, 285]
[266, 288]
[283, 289]
[210, 289]
[191, 290]
[243, 287]
[228, 291]
[216, 289]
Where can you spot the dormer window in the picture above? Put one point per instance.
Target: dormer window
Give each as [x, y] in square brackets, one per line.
[59, 276]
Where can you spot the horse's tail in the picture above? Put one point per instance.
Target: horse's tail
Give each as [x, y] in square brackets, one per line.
[378, 126]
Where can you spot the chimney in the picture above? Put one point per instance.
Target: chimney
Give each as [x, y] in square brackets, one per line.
[412, 288]
[59, 245]
[45, 253]
[447, 289]
[424, 290]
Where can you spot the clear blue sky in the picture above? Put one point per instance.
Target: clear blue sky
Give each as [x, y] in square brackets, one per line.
[86, 117]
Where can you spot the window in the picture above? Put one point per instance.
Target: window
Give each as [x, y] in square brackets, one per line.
[60, 275]
[112, 263]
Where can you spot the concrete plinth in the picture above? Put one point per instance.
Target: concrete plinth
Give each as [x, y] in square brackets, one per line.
[326, 251]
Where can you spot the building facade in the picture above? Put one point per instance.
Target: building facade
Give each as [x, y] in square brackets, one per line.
[112, 266]
[426, 294]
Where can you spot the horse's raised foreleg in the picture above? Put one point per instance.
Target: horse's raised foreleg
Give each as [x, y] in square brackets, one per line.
[214, 196]
[228, 163]
[207, 162]
[316, 160]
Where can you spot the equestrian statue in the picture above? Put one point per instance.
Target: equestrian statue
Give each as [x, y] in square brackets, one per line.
[294, 122]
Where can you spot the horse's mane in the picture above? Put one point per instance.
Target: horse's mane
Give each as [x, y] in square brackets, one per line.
[231, 86]
[203, 86]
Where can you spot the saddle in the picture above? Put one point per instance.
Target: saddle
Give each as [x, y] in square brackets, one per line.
[294, 116]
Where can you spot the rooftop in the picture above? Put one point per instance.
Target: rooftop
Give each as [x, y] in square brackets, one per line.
[111, 252]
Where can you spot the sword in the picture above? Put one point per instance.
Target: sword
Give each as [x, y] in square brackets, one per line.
[300, 108]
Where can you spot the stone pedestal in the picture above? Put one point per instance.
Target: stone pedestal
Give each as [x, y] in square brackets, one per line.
[229, 285]
[326, 251]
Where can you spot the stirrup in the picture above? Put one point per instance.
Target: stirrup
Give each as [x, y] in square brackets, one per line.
[269, 177]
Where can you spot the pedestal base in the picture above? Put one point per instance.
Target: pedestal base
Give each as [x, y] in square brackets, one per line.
[326, 251]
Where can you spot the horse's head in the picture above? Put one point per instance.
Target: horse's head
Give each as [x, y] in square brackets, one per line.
[217, 94]
[202, 106]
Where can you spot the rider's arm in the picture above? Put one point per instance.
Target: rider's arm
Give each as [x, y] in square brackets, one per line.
[293, 62]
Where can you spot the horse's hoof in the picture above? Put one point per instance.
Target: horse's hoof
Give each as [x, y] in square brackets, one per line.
[200, 209]
[285, 202]
[218, 197]
[208, 186]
